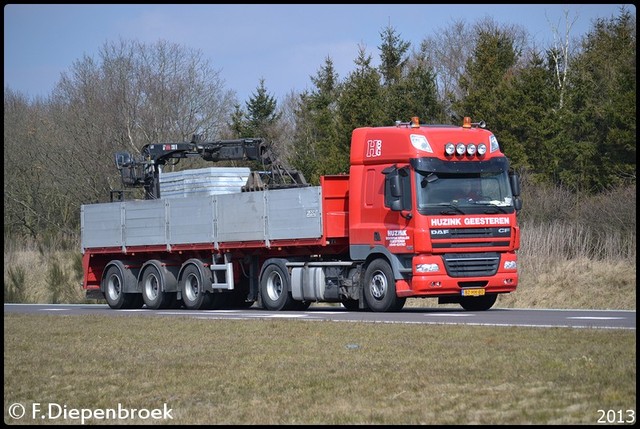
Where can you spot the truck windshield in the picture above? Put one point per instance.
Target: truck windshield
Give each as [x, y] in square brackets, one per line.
[469, 192]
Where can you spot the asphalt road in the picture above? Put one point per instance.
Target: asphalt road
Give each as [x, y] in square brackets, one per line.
[542, 318]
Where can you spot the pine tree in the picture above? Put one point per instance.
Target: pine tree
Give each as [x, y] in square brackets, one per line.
[316, 125]
[601, 106]
[360, 105]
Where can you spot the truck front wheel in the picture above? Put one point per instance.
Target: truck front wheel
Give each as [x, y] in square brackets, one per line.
[380, 287]
[274, 287]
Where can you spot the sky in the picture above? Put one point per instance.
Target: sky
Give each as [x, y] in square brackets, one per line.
[283, 44]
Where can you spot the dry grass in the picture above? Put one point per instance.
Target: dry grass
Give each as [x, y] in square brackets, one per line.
[558, 269]
[300, 372]
[38, 278]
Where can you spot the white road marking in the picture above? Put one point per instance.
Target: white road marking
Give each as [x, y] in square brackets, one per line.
[449, 314]
[596, 318]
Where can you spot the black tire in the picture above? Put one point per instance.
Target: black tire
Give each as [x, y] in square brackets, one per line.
[192, 283]
[152, 286]
[113, 286]
[275, 287]
[478, 303]
[380, 287]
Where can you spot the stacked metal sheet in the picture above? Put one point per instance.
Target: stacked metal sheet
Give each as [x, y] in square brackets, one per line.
[203, 181]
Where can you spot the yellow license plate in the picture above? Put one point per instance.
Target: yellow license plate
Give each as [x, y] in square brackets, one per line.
[472, 292]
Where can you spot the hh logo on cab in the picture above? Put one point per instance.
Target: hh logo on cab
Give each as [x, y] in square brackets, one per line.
[374, 148]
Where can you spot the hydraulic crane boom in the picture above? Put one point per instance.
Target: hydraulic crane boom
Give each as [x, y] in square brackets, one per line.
[144, 170]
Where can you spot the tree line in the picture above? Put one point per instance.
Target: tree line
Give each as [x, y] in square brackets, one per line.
[564, 114]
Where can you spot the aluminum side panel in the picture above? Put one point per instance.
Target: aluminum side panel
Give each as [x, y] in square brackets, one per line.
[101, 225]
[285, 214]
[144, 223]
[294, 213]
[191, 220]
[240, 217]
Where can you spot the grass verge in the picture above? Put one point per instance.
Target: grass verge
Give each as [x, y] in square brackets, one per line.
[301, 372]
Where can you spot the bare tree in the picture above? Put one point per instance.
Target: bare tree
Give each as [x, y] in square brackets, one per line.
[134, 95]
[447, 53]
[561, 53]
[59, 152]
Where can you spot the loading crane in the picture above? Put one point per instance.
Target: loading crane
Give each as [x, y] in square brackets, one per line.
[144, 170]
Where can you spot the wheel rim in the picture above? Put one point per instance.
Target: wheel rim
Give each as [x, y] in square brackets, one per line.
[192, 287]
[151, 286]
[274, 286]
[378, 285]
[114, 288]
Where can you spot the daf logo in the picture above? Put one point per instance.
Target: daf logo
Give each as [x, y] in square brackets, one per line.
[503, 230]
[439, 231]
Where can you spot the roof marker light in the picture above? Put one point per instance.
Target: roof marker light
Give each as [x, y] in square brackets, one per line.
[466, 123]
[415, 122]
[420, 142]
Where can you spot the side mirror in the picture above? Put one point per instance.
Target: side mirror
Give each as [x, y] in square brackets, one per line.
[397, 190]
[517, 203]
[514, 179]
[395, 186]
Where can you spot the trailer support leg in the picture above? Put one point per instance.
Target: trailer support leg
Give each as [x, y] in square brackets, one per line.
[253, 279]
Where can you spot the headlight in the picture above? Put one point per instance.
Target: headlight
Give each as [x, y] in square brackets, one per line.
[427, 268]
[510, 265]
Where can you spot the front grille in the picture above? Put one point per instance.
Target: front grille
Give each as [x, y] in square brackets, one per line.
[471, 264]
[451, 238]
[470, 244]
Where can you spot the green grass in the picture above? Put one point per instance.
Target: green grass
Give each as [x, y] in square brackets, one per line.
[302, 372]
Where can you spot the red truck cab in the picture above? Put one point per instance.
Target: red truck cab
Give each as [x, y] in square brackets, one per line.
[439, 203]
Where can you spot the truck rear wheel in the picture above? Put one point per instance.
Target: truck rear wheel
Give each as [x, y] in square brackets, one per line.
[114, 291]
[192, 284]
[478, 303]
[380, 287]
[275, 287]
[153, 289]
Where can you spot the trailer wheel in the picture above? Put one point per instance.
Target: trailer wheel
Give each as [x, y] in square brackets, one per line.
[478, 303]
[380, 287]
[114, 291]
[153, 289]
[274, 287]
[192, 284]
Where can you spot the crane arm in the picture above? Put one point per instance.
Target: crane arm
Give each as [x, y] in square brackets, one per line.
[144, 170]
